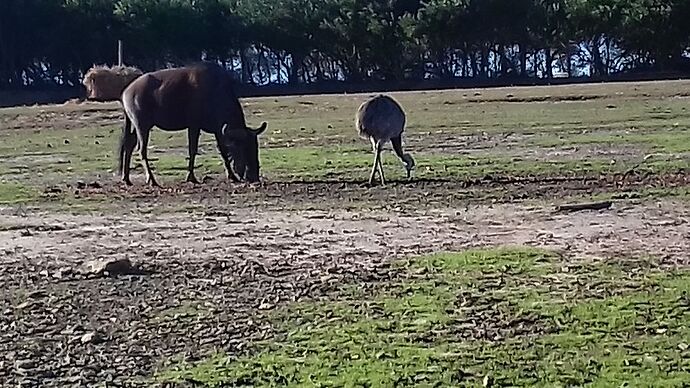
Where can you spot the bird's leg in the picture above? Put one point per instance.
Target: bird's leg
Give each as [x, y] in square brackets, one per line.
[380, 165]
[376, 162]
[373, 169]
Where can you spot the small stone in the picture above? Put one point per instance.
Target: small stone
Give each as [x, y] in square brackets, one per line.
[24, 364]
[488, 381]
[111, 267]
[90, 338]
[24, 305]
[265, 306]
[37, 294]
[683, 346]
[61, 273]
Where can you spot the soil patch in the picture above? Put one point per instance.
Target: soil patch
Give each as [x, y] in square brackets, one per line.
[206, 277]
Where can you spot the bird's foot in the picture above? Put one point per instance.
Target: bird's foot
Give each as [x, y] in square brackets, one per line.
[152, 182]
[191, 179]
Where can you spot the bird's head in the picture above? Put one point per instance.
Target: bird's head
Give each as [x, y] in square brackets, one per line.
[409, 164]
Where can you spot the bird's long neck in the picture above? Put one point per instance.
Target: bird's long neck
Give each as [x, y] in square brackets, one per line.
[397, 147]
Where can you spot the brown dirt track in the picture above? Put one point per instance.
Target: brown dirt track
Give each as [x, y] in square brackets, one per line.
[397, 195]
[207, 274]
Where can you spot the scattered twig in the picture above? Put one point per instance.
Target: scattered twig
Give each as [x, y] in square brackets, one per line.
[635, 167]
[584, 206]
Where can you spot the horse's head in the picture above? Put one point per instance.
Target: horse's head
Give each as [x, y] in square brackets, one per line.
[243, 147]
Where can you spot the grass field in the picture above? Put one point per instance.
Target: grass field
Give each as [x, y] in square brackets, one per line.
[463, 276]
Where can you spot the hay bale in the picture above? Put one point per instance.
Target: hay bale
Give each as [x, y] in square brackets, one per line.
[105, 83]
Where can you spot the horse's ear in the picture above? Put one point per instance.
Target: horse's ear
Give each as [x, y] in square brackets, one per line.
[229, 133]
[261, 129]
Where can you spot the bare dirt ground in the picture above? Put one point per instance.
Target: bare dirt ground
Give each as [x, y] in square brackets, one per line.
[203, 277]
[398, 196]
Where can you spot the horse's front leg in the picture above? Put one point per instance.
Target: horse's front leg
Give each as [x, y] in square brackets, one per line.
[225, 155]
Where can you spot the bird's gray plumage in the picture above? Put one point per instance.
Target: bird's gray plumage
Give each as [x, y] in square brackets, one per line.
[382, 119]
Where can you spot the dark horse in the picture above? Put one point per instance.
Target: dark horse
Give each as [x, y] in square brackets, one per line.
[197, 97]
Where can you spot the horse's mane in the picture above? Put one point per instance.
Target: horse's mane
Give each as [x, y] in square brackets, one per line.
[215, 67]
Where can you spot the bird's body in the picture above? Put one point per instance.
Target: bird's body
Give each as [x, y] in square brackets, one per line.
[382, 119]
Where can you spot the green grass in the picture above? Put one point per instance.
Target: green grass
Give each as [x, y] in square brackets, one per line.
[453, 135]
[298, 163]
[15, 193]
[663, 140]
[514, 314]
[308, 163]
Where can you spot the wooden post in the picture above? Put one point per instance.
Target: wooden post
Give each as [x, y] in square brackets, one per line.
[119, 52]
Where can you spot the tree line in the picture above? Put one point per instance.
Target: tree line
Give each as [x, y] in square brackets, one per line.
[53, 42]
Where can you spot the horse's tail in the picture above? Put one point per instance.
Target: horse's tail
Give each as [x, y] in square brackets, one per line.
[124, 142]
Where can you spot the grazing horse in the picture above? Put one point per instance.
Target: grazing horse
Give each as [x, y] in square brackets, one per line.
[199, 98]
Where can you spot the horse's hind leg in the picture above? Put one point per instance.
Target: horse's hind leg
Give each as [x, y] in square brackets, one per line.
[193, 145]
[143, 131]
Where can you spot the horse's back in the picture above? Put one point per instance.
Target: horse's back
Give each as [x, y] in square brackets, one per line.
[178, 98]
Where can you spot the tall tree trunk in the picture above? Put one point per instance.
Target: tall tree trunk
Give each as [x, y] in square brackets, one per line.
[523, 60]
[296, 60]
[548, 62]
[597, 58]
[246, 73]
[476, 71]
